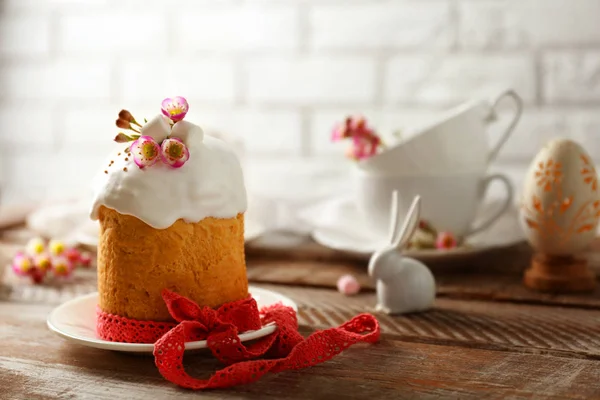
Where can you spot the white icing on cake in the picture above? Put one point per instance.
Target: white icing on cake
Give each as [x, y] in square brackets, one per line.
[209, 184]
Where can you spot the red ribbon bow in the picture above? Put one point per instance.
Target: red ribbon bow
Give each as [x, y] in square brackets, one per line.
[285, 348]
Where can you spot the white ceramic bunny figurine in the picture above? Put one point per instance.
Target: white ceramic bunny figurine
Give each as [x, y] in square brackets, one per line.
[403, 284]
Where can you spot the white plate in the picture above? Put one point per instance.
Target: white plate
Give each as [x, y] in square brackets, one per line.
[339, 226]
[75, 320]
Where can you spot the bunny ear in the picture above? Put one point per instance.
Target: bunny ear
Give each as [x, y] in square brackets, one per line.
[411, 222]
[394, 221]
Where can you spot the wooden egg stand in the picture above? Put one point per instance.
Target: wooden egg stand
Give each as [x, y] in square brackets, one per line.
[559, 274]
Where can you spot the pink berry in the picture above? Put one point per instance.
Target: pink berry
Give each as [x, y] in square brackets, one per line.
[348, 285]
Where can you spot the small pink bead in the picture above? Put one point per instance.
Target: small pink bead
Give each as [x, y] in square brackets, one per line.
[348, 285]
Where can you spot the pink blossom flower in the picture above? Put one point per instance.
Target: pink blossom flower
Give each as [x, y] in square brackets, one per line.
[145, 151]
[42, 262]
[61, 266]
[22, 264]
[348, 285]
[175, 108]
[35, 246]
[174, 152]
[445, 240]
[56, 247]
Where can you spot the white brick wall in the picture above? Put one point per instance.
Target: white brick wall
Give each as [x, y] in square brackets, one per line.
[571, 76]
[114, 32]
[310, 80]
[401, 25]
[277, 74]
[449, 79]
[243, 29]
[528, 23]
[205, 80]
[28, 35]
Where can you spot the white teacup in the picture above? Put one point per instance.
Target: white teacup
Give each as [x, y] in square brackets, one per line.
[449, 202]
[457, 141]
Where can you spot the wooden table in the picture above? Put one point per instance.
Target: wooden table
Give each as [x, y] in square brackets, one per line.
[490, 338]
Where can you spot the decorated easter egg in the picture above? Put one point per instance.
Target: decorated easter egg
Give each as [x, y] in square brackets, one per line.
[560, 206]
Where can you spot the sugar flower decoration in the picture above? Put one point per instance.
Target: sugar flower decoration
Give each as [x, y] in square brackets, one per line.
[42, 262]
[22, 264]
[365, 142]
[35, 246]
[145, 151]
[174, 152]
[40, 259]
[445, 240]
[61, 266]
[175, 108]
[57, 247]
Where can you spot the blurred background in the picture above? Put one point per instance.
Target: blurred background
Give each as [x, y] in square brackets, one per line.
[276, 75]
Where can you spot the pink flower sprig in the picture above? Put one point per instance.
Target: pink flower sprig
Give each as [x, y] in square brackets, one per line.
[41, 259]
[146, 150]
[365, 142]
[175, 108]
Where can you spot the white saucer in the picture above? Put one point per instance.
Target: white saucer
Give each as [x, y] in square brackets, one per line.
[339, 226]
[75, 320]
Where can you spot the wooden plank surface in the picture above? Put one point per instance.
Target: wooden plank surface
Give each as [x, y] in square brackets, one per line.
[486, 337]
[459, 350]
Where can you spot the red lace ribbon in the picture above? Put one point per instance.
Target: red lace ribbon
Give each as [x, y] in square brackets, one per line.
[284, 349]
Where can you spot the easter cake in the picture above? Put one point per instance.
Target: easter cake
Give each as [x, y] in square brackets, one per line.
[170, 202]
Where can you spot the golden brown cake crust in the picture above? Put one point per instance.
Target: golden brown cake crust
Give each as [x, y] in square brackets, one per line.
[203, 261]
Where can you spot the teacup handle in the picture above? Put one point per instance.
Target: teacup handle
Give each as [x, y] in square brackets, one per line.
[501, 210]
[513, 123]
